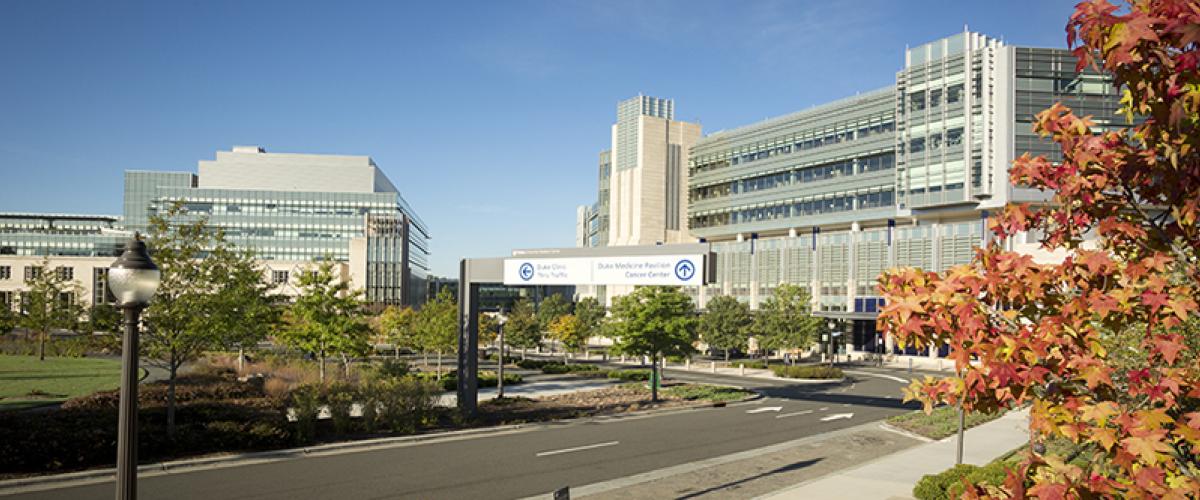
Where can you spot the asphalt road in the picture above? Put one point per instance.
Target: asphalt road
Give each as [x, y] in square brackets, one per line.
[540, 459]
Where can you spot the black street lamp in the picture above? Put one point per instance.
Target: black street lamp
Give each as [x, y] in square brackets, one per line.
[133, 279]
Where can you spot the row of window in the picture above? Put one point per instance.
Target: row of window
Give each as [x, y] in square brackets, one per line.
[934, 98]
[793, 143]
[808, 174]
[934, 142]
[34, 272]
[834, 204]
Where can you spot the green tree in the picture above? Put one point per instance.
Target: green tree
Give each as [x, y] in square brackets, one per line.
[785, 320]
[105, 318]
[398, 326]
[326, 317]
[249, 309]
[49, 302]
[568, 331]
[591, 317]
[489, 329]
[550, 309]
[654, 321]
[521, 329]
[726, 324]
[190, 313]
[8, 318]
[437, 325]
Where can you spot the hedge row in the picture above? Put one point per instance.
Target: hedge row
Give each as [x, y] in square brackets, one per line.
[948, 484]
[808, 371]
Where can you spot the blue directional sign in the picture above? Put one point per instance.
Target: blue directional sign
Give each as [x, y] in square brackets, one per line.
[526, 271]
[684, 270]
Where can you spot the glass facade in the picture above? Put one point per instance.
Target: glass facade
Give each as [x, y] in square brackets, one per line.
[301, 226]
[60, 235]
[828, 198]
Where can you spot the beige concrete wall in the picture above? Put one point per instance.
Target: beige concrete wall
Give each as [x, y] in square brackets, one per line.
[353, 271]
[638, 197]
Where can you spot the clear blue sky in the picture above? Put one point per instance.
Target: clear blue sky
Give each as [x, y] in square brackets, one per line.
[488, 116]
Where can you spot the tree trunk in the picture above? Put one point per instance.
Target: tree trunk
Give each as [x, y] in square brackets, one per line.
[426, 355]
[523, 354]
[174, 367]
[397, 351]
[439, 366]
[346, 365]
[42, 346]
[241, 359]
[321, 363]
[654, 378]
[726, 355]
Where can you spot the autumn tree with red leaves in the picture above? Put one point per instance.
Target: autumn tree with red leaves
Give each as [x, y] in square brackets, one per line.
[1104, 345]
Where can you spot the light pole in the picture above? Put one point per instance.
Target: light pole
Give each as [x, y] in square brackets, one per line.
[133, 279]
[500, 370]
[832, 324]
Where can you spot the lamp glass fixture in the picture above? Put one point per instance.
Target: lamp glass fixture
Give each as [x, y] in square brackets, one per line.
[133, 278]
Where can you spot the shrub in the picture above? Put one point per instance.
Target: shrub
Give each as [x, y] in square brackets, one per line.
[402, 404]
[706, 392]
[991, 474]
[557, 368]
[808, 371]
[755, 363]
[305, 406]
[534, 364]
[392, 368]
[633, 375]
[340, 399]
[935, 486]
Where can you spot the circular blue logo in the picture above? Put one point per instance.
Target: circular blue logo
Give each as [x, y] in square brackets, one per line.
[684, 270]
[526, 271]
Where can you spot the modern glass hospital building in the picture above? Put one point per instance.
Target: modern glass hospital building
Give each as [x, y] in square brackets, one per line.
[829, 197]
[288, 208]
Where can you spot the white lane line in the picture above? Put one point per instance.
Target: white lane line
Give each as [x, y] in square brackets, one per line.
[878, 375]
[837, 416]
[823, 408]
[577, 448]
[785, 415]
[764, 409]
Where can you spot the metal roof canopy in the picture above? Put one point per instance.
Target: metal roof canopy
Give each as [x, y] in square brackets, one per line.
[490, 270]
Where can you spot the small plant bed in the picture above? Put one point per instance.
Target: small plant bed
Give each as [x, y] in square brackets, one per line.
[940, 424]
[817, 372]
[558, 368]
[610, 401]
[485, 378]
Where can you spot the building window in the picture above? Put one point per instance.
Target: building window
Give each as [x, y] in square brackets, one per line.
[5, 272]
[279, 277]
[32, 272]
[65, 273]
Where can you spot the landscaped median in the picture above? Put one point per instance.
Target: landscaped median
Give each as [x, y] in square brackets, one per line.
[810, 372]
[941, 423]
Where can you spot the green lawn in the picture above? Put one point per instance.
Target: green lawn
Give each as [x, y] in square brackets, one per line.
[942, 423]
[26, 382]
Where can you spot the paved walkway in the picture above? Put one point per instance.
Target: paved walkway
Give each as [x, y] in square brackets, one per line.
[893, 476]
[535, 389]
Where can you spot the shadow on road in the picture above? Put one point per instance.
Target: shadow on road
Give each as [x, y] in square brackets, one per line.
[787, 468]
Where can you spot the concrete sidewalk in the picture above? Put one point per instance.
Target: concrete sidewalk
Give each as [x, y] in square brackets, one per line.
[893, 476]
[536, 389]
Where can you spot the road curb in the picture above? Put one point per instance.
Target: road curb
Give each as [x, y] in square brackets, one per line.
[42, 482]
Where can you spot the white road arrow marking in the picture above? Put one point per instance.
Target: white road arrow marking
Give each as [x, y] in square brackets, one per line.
[765, 409]
[786, 415]
[837, 416]
[577, 448]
